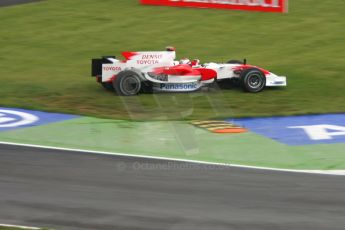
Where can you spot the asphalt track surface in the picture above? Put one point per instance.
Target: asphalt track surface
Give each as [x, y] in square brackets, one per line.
[15, 2]
[72, 190]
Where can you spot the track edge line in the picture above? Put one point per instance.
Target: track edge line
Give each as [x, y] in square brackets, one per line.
[323, 172]
[19, 226]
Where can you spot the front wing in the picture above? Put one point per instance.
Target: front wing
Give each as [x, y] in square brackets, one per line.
[274, 80]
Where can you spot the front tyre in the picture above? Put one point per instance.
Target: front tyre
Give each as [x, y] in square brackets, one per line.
[253, 80]
[127, 83]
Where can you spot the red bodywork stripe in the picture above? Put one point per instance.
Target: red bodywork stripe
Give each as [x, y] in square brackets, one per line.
[244, 67]
[187, 70]
[182, 69]
[129, 55]
[206, 74]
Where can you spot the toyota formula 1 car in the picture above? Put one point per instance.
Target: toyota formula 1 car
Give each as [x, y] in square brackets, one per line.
[158, 71]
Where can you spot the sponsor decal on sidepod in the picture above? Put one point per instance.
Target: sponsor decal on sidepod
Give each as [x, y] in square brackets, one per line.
[186, 86]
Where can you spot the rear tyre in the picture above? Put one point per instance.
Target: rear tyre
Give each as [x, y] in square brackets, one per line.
[253, 80]
[235, 62]
[127, 83]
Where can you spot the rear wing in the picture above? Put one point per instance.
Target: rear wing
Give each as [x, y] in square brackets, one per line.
[96, 65]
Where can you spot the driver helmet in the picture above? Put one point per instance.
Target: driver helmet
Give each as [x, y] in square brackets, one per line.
[195, 62]
[170, 48]
[185, 61]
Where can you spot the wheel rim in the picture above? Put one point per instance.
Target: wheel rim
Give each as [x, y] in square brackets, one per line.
[130, 85]
[255, 81]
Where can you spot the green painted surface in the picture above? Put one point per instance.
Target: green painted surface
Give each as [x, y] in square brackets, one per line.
[179, 140]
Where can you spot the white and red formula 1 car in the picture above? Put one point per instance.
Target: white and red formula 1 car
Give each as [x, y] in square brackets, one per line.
[158, 71]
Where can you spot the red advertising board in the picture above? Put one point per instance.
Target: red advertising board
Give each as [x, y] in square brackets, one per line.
[279, 6]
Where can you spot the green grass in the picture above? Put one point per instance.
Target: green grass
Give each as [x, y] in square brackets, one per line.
[46, 49]
[10, 228]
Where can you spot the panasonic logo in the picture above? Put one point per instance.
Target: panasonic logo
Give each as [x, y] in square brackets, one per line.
[188, 86]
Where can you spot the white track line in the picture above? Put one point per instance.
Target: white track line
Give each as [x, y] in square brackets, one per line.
[18, 226]
[327, 172]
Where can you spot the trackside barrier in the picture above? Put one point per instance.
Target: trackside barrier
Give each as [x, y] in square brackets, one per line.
[278, 6]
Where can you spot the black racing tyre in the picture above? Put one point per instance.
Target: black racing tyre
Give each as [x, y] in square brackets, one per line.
[146, 87]
[253, 80]
[108, 85]
[234, 62]
[127, 83]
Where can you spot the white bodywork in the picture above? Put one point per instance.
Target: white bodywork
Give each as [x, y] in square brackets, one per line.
[143, 61]
[146, 62]
[226, 71]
